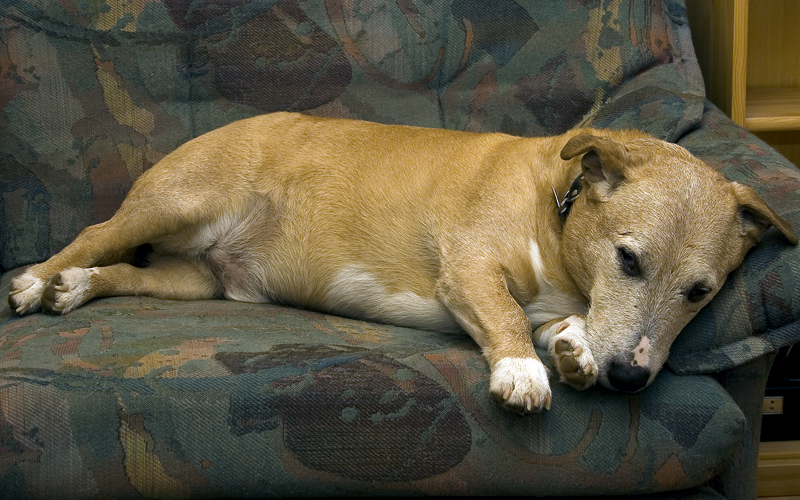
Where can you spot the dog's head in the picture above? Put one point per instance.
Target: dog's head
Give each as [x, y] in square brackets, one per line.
[650, 241]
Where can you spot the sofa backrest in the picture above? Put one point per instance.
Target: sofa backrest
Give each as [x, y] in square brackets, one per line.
[92, 93]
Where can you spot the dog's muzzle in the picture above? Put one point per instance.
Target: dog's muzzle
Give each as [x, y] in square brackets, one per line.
[626, 377]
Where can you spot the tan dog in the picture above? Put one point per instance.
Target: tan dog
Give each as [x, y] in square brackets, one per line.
[433, 229]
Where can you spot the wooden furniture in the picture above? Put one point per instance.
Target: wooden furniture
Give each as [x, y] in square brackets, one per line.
[749, 54]
[779, 469]
[748, 51]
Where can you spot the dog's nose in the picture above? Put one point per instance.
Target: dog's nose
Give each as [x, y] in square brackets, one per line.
[625, 377]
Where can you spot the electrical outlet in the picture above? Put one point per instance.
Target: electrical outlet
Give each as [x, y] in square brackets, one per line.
[773, 406]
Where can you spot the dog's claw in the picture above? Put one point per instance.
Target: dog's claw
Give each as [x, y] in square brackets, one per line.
[49, 294]
[67, 290]
[57, 282]
[25, 294]
[520, 385]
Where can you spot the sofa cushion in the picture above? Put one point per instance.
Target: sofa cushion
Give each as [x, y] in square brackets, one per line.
[758, 310]
[218, 398]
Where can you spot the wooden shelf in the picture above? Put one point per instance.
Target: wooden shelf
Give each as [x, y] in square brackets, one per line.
[779, 469]
[748, 52]
[773, 109]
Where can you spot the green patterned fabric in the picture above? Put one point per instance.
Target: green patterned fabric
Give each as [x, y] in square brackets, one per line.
[132, 396]
[136, 397]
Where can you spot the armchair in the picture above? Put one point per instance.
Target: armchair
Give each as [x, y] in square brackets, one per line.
[137, 397]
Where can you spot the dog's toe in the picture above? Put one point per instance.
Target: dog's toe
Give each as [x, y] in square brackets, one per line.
[521, 385]
[575, 368]
[67, 290]
[574, 362]
[49, 294]
[25, 294]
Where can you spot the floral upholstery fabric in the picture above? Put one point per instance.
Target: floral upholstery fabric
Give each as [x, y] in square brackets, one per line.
[136, 397]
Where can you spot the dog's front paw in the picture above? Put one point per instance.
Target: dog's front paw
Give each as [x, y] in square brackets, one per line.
[520, 384]
[25, 295]
[68, 290]
[570, 355]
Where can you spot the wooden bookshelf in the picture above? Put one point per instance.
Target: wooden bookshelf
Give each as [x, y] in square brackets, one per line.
[748, 50]
[773, 109]
[779, 470]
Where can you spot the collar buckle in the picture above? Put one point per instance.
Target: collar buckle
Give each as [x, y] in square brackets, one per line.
[565, 204]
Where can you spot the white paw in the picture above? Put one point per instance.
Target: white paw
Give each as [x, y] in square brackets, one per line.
[26, 293]
[570, 354]
[520, 384]
[68, 290]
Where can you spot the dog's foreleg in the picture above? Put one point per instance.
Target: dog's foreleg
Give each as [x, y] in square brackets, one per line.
[565, 340]
[166, 278]
[486, 310]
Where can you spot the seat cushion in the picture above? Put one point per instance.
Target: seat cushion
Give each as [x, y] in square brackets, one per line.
[137, 395]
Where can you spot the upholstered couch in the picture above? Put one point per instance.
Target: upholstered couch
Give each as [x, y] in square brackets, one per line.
[137, 397]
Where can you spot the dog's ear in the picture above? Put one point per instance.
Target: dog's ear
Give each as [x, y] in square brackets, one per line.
[756, 217]
[603, 161]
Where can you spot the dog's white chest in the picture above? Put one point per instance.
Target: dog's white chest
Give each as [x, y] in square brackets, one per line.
[550, 303]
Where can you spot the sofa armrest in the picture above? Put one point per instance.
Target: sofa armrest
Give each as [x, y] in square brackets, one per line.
[745, 384]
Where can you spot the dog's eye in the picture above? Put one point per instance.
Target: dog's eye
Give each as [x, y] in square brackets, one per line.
[697, 293]
[630, 264]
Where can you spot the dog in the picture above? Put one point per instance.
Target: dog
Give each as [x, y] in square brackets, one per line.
[596, 245]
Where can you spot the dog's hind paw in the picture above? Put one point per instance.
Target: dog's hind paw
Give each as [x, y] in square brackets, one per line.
[68, 290]
[570, 356]
[521, 385]
[25, 295]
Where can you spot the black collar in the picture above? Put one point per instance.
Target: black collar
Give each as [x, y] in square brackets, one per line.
[565, 204]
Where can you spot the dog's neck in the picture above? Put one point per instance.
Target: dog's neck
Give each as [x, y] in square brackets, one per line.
[565, 203]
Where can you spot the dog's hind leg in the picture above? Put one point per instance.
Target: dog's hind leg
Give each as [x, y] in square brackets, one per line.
[165, 277]
[103, 244]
